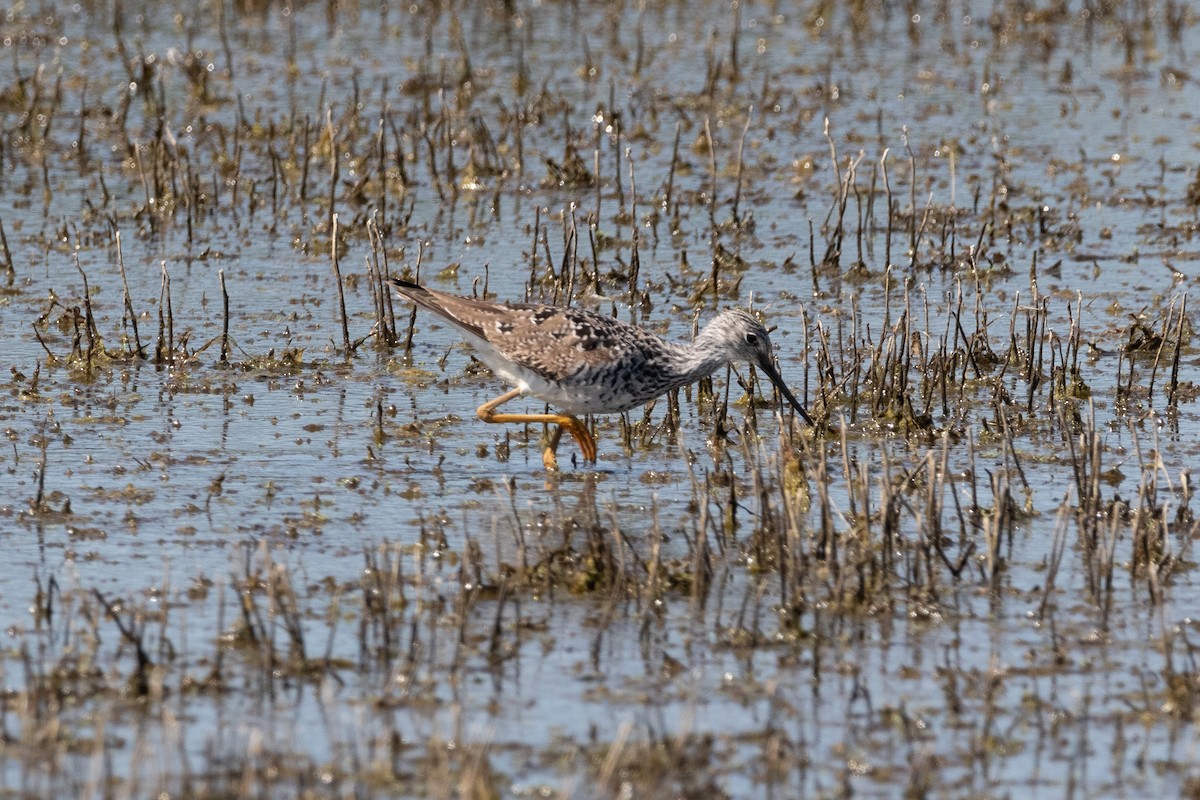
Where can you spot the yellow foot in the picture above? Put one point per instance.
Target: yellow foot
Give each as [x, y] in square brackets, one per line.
[587, 445]
[549, 459]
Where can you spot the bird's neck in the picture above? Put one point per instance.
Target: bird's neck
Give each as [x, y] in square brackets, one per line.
[697, 359]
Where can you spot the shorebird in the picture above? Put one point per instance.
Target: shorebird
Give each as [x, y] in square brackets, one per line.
[580, 362]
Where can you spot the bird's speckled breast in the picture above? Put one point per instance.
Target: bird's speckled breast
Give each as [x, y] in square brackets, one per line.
[620, 385]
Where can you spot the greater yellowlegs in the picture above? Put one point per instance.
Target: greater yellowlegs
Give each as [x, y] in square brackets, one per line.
[581, 362]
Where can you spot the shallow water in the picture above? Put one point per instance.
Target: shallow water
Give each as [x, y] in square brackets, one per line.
[236, 509]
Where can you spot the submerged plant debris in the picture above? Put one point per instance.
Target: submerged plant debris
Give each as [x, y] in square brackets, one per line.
[259, 545]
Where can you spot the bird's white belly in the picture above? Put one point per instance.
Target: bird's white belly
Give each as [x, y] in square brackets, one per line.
[568, 397]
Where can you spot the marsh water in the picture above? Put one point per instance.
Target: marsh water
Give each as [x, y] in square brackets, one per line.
[260, 545]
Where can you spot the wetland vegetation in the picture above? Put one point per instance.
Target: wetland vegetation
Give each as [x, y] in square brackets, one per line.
[258, 545]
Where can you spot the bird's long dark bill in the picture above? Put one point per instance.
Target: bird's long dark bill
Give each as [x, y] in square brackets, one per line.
[769, 368]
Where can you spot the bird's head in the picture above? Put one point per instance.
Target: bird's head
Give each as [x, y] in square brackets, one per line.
[739, 336]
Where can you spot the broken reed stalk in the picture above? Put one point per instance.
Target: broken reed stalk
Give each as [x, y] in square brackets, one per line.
[833, 254]
[304, 163]
[741, 162]
[598, 182]
[669, 194]
[616, 152]
[863, 215]
[38, 504]
[712, 171]
[434, 173]
[887, 190]
[223, 29]
[377, 274]
[337, 276]
[1162, 343]
[412, 315]
[712, 67]
[333, 170]
[381, 152]
[10, 271]
[833, 249]
[446, 124]
[80, 140]
[570, 255]
[224, 359]
[919, 232]
[129, 313]
[555, 279]
[164, 349]
[1173, 385]
[93, 333]
[533, 252]
[734, 35]
[635, 259]
[912, 196]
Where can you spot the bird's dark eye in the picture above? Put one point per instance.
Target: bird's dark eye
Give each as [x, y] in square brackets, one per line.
[752, 339]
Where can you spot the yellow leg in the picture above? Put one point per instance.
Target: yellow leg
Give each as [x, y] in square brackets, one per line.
[587, 445]
[549, 459]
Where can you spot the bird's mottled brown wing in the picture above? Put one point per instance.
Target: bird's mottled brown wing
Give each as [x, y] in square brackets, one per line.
[560, 342]
[556, 342]
[447, 306]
